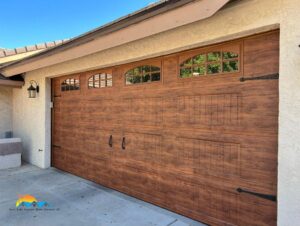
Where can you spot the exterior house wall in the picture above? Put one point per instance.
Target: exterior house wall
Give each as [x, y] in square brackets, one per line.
[6, 94]
[31, 117]
[29, 121]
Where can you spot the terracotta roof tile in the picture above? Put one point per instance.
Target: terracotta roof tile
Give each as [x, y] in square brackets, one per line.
[41, 46]
[58, 42]
[9, 52]
[30, 48]
[50, 44]
[21, 50]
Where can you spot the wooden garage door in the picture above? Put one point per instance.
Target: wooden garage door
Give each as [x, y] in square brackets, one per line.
[194, 132]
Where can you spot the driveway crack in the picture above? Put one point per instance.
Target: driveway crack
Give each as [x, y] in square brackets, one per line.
[172, 222]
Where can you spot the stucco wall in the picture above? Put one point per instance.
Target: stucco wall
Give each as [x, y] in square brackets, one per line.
[31, 116]
[289, 120]
[5, 110]
[31, 121]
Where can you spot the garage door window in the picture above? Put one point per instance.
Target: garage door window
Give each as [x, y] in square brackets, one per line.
[100, 81]
[142, 74]
[70, 84]
[211, 63]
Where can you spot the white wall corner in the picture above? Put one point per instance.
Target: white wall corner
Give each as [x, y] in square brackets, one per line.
[289, 112]
[47, 150]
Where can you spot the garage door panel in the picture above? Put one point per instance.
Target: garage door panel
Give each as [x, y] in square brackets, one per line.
[96, 144]
[226, 111]
[221, 156]
[266, 165]
[174, 193]
[55, 86]
[56, 137]
[56, 127]
[192, 198]
[199, 158]
[256, 211]
[179, 157]
[58, 157]
[222, 205]
[71, 106]
[142, 111]
[141, 182]
[170, 70]
[253, 138]
[143, 147]
[215, 201]
[259, 158]
[98, 113]
[117, 179]
[57, 105]
[196, 156]
[96, 122]
[261, 55]
[258, 105]
[224, 160]
[74, 161]
[99, 171]
[70, 116]
[69, 142]
[186, 144]
[261, 177]
[142, 150]
[203, 110]
[184, 196]
[254, 124]
[208, 110]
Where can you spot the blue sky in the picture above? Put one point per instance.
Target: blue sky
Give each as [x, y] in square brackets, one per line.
[26, 22]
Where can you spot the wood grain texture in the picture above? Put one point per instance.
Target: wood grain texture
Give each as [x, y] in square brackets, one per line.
[183, 144]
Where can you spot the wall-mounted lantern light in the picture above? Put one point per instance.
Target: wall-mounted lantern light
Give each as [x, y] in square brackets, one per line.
[33, 89]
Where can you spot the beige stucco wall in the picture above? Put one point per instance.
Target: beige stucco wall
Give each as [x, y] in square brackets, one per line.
[5, 110]
[32, 119]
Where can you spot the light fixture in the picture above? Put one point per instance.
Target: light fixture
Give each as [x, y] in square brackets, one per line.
[33, 89]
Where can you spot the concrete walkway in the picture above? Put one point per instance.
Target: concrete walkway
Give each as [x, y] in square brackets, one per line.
[74, 201]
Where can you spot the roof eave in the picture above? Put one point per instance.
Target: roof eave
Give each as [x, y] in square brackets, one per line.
[130, 19]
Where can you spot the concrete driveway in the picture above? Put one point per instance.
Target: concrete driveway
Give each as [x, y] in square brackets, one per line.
[74, 201]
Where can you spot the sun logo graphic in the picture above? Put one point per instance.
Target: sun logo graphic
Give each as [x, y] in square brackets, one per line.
[30, 201]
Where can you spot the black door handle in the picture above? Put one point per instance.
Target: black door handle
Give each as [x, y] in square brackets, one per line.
[123, 143]
[110, 141]
[264, 196]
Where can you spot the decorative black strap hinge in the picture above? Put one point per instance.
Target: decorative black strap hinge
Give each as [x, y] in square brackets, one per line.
[264, 196]
[56, 146]
[264, 77]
